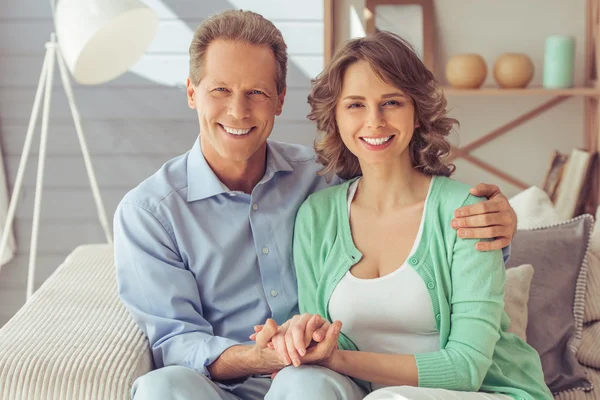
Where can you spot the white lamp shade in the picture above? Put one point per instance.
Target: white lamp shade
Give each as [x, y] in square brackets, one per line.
[102, 39]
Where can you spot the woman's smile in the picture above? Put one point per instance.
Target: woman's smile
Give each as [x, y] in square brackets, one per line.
[377, 143]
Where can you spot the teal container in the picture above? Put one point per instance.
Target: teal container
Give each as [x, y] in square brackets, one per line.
[559, 62]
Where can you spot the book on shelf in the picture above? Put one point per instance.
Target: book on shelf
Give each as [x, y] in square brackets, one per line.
[568, 183]
[554, 173]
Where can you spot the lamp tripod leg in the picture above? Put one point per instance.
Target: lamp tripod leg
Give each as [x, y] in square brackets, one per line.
[84, 150]
[39, 185]
[14, 199]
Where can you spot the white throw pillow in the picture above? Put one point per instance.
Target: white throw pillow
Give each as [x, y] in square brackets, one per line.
[534, 209]
[516, 297]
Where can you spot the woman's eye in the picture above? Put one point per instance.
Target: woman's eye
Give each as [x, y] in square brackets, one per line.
[391, 103]
[355, 105]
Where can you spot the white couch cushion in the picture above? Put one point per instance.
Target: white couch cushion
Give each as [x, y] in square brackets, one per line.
[74, 339]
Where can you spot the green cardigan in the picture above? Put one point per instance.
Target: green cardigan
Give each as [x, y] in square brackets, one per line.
[466, 288]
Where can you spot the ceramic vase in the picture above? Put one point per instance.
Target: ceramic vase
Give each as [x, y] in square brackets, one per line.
[466, 71]
[513, 70]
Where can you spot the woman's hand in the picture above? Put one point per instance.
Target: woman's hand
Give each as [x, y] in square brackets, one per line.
[324, 352]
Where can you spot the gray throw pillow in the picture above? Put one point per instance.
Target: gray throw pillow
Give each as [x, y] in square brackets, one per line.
[556, 296]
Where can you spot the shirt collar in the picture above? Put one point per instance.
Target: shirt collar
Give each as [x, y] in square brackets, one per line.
[275, 160]
[203, 183]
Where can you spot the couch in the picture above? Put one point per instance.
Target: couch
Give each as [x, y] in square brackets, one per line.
[75, 340]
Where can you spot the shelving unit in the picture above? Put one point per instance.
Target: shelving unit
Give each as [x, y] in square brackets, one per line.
[590, 92]
[530, 91]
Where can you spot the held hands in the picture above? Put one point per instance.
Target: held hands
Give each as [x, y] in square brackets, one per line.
[304, 339]
[493, 218]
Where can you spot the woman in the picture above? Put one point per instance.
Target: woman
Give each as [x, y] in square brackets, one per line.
[425, 310]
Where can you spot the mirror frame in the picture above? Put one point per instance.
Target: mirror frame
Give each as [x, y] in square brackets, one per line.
[428, 25]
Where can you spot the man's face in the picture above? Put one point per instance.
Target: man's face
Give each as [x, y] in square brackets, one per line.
[236, 101]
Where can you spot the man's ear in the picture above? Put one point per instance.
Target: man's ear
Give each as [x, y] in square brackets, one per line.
[280, 100]
[191, 94]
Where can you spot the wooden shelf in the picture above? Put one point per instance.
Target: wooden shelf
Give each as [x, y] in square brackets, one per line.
[531, 91]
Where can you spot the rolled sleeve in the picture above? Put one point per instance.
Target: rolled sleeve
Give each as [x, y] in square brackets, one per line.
[161, 294]
[207, 352]
[506, 253]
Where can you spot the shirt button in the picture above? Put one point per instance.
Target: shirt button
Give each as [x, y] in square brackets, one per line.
[231, 194]
[438, 317]
[255, 206]
[274, 293]
[414, 260]
[431, 285]
[265, 250]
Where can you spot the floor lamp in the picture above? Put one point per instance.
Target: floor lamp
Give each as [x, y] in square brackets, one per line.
[98, 40]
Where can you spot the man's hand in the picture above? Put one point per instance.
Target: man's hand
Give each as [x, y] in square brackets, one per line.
[493, 218]
[262, 350]
[244, 360]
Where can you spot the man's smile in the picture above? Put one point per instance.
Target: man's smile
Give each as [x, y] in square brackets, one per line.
[236, 131]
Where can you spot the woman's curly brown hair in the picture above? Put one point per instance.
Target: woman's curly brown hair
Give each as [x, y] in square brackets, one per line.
[394, 61]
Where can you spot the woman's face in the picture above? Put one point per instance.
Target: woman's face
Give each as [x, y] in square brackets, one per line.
[376, 120]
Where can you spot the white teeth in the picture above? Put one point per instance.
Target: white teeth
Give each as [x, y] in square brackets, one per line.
[376, 141]
[236, 131]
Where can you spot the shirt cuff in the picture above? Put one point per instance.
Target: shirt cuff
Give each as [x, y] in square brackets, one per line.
[506, 253]
[206, 353]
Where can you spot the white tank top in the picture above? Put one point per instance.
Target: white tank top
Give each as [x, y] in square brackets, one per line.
[392, 314]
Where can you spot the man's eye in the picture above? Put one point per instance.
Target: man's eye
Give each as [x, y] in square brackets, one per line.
[256, 91]
[220, 89]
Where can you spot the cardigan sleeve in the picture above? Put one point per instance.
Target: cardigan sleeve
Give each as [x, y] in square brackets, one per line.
[308, 273]
[304, 266]
[476, 307]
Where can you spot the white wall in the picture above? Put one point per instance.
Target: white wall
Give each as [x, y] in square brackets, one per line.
[133, 124]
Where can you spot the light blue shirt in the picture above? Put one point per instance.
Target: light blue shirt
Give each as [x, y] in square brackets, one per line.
[198, 265]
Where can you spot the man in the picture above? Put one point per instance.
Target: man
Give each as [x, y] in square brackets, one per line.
[203, 247]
